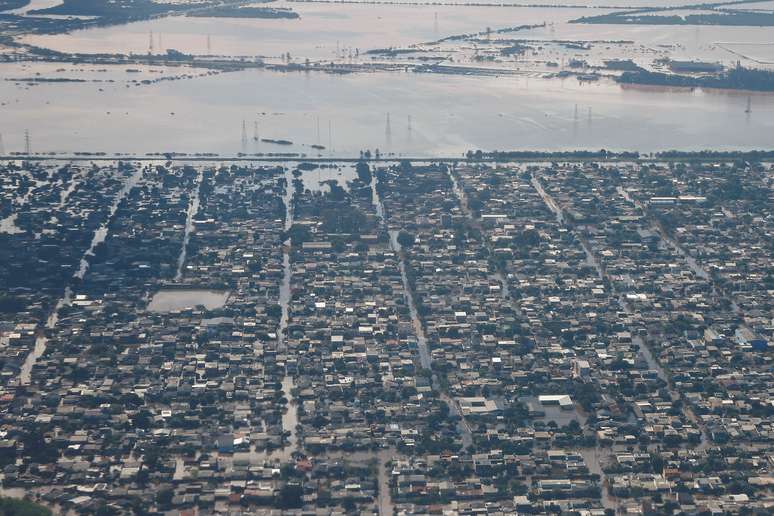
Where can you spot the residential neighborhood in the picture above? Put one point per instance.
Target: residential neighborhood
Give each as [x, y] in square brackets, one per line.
[316, 338]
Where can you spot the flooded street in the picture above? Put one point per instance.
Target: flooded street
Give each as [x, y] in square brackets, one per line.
[424, 353]
[594, 459]
[290, 416]
[41, 340]
[193, 209]
[102, 232]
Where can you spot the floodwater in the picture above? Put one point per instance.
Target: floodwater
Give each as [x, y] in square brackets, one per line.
[334, 31]
[726, 44]
[449, 115]
[193, 209]
[430, 115]
[323, 31]
[8, 225]
[34, 5]
[170, 300]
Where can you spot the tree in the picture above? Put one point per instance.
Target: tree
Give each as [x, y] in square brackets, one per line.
[290, 496]
[164, 497]
[9, 304]
[406, 239]
[274, 311]
[363, 171]
[16, 507]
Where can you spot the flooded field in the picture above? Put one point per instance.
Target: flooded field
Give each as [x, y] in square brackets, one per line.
[170, 300]
[323, 31]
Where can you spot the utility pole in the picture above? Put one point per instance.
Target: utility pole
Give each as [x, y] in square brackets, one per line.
[27, 146]
[388, 129]
[244, 134]
[150, 43]
[2, 147]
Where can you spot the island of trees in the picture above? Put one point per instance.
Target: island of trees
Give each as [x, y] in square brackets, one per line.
[230, 11]
[738, 78]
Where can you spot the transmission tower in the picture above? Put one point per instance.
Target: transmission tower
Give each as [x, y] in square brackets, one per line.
[388, 129]
[150, 43]
[2, 147]
[27, 146]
